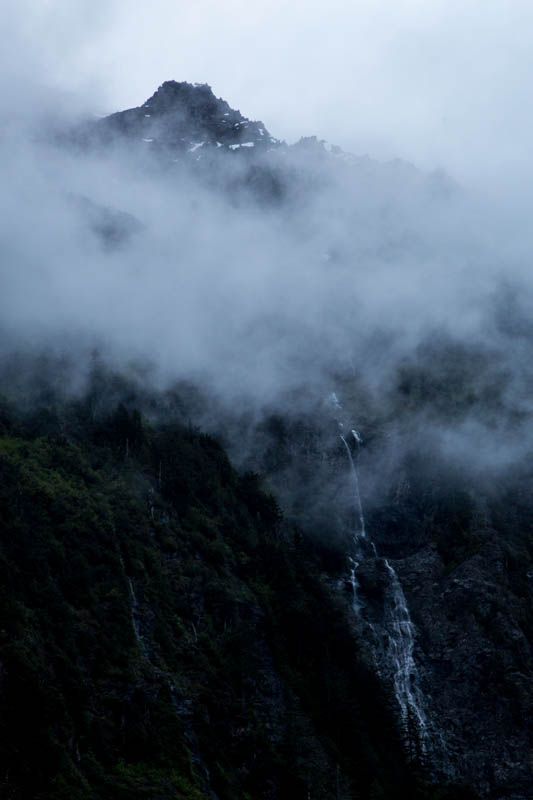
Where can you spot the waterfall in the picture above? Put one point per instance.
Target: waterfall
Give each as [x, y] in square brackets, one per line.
[135, 615]
[360, 533]
[393, 652]
[354, 583]
[355, 481]
[400, 651]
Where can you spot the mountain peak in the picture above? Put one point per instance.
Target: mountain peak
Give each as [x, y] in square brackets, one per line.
[174, 95]
[183, 118]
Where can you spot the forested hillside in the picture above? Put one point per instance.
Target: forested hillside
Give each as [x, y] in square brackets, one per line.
[165, 633]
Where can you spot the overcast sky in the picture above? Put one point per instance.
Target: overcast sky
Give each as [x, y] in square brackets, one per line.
[439, 82]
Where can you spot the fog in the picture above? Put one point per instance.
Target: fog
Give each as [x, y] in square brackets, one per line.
[404, 291]
[441, 84]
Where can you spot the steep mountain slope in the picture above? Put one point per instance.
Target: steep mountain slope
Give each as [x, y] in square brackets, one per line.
[460, 541]
[165, 633]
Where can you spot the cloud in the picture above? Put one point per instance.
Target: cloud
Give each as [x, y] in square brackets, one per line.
[344, 283]
[443, 84]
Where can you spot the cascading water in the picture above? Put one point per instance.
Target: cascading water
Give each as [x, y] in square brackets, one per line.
[355, 480]
[396, 656]
[400, 650]
[135, 615]
[359, 527]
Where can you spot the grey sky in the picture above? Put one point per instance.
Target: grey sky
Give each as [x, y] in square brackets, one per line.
[439, 82]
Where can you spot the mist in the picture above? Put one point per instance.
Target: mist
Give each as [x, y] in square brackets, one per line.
[403, 291]
[442, 85]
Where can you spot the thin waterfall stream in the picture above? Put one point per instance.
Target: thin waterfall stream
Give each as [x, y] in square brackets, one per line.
[395, 656]
[401, 654]
[355, 479]
[135, 617]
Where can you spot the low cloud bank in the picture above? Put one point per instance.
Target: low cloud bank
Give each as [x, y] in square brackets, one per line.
[402, 291]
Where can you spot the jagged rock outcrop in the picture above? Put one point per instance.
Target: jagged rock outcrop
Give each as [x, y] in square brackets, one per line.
[183, 120]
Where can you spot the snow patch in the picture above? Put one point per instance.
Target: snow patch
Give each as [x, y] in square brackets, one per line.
[196, 146]
[244, 144]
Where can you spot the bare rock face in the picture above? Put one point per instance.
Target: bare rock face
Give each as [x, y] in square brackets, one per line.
[473, 614]
[461, 552]
[476, 666]
[183, 119]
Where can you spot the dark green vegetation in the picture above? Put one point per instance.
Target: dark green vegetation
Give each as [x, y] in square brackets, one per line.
[164, 633]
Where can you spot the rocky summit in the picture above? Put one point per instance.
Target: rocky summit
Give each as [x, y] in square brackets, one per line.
[184, 118]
